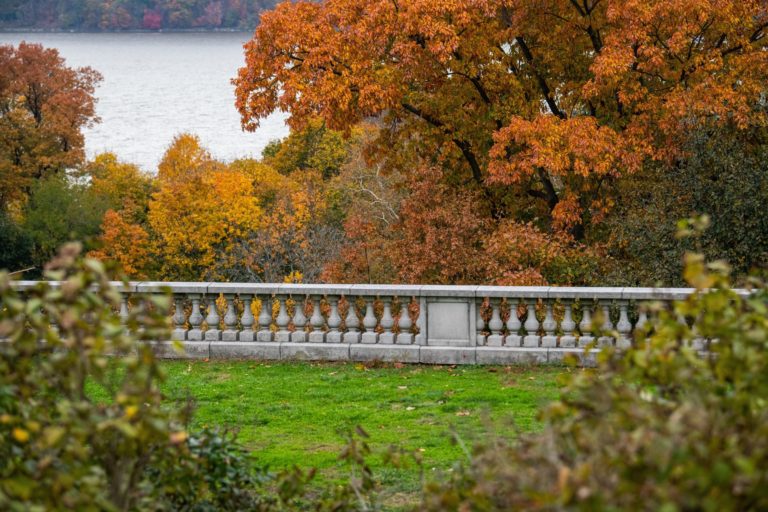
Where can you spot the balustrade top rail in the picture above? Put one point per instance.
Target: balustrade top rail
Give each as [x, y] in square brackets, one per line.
[409, 323]
[466, 291]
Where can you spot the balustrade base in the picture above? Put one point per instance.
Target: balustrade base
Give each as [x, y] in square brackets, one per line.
[229, 335]
[369, 338]
[386, 353]
[273, 351]
[315, 351]
[244, 350]
[189, 349]
[334, 337]
[447, 355]
[493, 355]
[212, 335]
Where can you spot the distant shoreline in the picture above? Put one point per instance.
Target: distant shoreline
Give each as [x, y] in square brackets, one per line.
[127, 31]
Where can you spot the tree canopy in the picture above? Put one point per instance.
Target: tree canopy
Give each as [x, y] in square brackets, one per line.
[542, 104]
[43, 107]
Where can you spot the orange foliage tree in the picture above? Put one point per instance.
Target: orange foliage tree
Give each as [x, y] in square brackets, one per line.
[125, 243]
[535, 108]
[43, 107]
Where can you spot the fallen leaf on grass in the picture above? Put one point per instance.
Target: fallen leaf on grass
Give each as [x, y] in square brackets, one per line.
[410, 408]
[402, 387]
[463, 413]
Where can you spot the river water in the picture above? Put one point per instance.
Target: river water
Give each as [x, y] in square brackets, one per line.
[157, 85]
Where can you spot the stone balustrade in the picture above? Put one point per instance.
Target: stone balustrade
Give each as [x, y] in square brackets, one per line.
[411, 324]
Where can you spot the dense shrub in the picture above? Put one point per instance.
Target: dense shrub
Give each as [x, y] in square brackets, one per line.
[724, 175]
[61, 448]
[657, 427]
[83, 424]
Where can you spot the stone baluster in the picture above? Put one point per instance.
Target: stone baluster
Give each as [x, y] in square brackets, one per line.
[334, 335]
[567, 340]
[246, 320]
[531, 325]
[123, 312]
[299, 321]
[421, 322]
[369, 322]
[179, 319]
[642, 317]
[352, 322]
[318, 322]
[212, 333]
[282, 335]
[606, 340]
[265, 318]
[387, 323]
[514, 336]
[404, 324]
[480, 337]
[230, 319]
[585, 326]
[195, 320]
[495, 324]
[624, 326]
[549, 325]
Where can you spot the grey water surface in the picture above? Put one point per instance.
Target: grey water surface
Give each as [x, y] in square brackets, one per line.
[157, 85]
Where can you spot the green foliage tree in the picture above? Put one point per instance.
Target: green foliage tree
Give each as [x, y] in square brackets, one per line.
[726, 177]
[59, 211]
[313, 147]
[15, 244]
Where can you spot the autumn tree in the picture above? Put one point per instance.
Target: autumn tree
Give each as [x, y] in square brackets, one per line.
[539, 108]
[44, 105]
[314, 147]
[200, 206]
[124, 186]
[126, 243]
[299, 233]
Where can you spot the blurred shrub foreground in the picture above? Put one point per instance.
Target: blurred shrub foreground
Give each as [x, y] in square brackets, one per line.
[657, 427]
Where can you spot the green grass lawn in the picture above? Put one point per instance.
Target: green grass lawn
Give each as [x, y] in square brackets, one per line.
[292, 413]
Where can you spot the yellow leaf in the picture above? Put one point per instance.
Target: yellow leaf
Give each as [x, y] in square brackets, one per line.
[20, 435]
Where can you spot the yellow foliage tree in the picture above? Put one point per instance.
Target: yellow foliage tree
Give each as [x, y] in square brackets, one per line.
[200, 206]
[126, 187]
